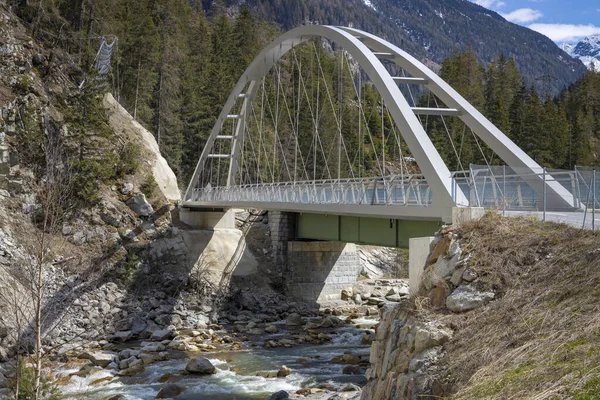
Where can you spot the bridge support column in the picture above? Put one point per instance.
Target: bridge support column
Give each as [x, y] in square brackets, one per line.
[418, 251]
[282, 227]
[318, 271]
[207, 219]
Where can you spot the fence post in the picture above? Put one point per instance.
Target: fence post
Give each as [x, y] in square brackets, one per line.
[504, 190]
[593, 199]
[544, 172]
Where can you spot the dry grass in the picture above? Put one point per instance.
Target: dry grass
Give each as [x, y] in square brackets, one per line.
[541, 339]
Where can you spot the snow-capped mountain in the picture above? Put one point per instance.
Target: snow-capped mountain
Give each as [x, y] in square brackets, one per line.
[588, 50]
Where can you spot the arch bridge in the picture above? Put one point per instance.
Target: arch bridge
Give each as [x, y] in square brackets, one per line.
[342, 142]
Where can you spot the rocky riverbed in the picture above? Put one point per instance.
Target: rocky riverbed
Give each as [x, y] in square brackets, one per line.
[305, 355]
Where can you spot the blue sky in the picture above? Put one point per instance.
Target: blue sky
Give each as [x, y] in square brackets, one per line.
[560, 20]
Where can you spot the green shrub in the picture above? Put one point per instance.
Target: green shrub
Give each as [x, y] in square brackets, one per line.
[23, 83]
[129, 157]
[590, 391]
[149, 187]
[88, 174]
[26, 374]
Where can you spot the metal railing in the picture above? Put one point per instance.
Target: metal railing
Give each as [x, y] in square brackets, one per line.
[504, 188]
[410, 190]
[500, 188]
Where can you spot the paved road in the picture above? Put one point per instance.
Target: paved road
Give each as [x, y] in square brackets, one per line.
[571, 218]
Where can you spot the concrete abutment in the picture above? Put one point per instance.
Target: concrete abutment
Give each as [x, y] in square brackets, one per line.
[318, 271]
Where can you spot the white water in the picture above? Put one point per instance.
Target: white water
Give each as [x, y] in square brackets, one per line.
[236, 371]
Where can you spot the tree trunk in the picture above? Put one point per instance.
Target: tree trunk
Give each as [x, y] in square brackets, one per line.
[137, 90]
[39, 297]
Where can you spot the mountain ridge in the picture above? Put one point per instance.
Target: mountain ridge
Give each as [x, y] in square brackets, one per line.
[432, 30]
[587, 50]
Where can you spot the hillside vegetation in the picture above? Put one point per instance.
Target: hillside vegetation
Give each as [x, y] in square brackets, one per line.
[541, 338]
[432, 30]
[556, 132]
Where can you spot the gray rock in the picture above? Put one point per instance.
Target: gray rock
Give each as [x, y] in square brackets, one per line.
[127, 188]
[3, 381]
[469, 275]
[466, 298]
[428, 336]
[79, 237]
[169, 391]
[100, 358]
[122, 336]
[111, 220]
[456, 278]
[153, 347]
[138, 325]
[113, 365]
[394, 298]
[160, 335]
[140, 205]
[424, 359]
[66, 230]
[200, 366]
[281, 395]
[294, 319]
[445, 266]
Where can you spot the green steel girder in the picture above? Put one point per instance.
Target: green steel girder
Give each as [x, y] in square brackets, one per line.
[362, 230]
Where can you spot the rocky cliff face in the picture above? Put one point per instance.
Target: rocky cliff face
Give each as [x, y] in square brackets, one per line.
[407, 352]
[118, 265]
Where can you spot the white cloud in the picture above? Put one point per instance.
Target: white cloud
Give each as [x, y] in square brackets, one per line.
[523, 15]
[485, 3]
[565, 32]
[490, 4]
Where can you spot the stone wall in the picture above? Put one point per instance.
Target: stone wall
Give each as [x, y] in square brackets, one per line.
[7, 129]
[404, 356]
[281, 225]
[319, 271]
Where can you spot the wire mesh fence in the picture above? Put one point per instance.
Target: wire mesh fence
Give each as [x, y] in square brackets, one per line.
[542, 190]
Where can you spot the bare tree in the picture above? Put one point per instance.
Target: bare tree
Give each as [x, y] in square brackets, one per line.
[23, 286]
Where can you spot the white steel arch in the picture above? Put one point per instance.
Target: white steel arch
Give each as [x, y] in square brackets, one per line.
[367, 50]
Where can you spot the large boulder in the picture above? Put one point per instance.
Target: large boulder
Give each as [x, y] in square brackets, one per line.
[169, 391]
[138, 325]
[466, 298]
[283, 372]
[200, 366]
[140, 205]
[160, 335]
[121, 336]
[281, 395]
[294, 319]
[100, 358]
